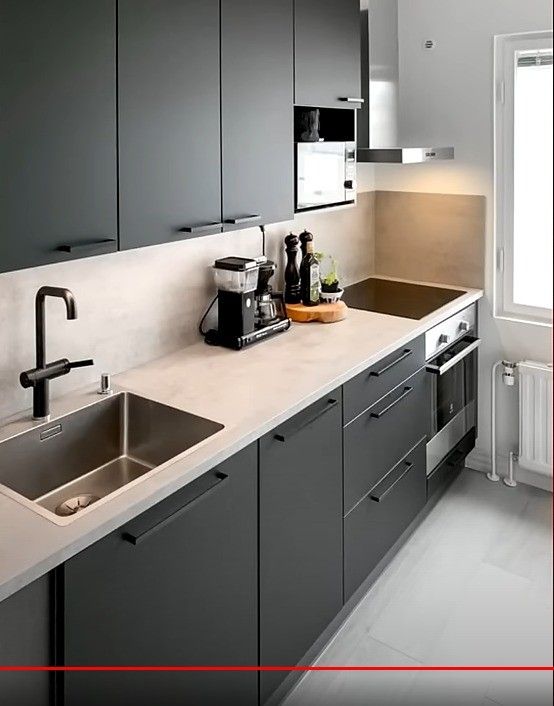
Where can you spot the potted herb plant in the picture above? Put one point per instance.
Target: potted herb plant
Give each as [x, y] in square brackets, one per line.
[329, 278]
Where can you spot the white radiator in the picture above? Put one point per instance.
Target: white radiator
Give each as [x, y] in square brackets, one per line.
[535, 417]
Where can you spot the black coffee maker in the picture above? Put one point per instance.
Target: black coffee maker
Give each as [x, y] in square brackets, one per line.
[267, 305]
[247, 309]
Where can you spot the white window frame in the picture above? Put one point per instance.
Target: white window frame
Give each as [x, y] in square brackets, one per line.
[505, 47]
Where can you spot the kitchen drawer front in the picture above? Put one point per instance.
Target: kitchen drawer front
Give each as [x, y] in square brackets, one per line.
[375, 524]
[376, 440]
[367, 387]
[308, 417]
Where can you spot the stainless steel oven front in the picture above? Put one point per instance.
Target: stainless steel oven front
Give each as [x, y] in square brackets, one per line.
[451, 350]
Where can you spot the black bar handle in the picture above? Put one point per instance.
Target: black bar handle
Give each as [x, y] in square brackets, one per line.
[80, 363]
[244, 219]
[351, 99]
[378, 494]
[136, 538]
[330, 404]
[405, 393]
[29, 378]
[85, 247]
[406, 353]
[199, 228]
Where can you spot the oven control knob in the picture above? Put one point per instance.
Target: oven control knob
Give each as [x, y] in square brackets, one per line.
[444, 338]
[464, 326]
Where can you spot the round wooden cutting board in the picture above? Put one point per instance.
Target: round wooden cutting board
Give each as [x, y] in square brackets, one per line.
[325, 313]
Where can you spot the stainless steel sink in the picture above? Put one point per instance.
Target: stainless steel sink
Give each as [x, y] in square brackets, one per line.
[77, 460]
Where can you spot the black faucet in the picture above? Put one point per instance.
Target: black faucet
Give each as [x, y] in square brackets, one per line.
[39, 378]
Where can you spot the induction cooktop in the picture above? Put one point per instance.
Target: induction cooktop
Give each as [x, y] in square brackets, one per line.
[386, 296]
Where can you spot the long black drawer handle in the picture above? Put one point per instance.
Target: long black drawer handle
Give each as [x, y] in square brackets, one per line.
[200, 228]
[330, 404]
[380, 496]
[141, 536]
[349, 99]
[244, 219]
[378, 415]
[84, 247]
[405, 354]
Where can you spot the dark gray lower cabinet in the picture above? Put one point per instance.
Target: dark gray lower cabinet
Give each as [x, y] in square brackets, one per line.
[379, 519]
[380, 436]
[175, 586]
[300, 534]
[26, 639]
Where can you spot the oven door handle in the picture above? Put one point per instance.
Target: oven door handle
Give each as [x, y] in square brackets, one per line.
[441, 369]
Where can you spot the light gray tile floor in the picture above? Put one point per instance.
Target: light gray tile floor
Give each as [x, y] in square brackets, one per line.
[472, 586]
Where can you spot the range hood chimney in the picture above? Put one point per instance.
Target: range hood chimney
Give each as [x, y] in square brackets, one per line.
[378, 116]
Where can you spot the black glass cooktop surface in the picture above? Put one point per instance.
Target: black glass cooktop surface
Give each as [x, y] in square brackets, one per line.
[385, 296]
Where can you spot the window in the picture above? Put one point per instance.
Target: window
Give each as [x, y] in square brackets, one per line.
[523, 176]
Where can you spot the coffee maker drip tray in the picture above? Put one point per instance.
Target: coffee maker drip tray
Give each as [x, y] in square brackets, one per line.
[215, 338]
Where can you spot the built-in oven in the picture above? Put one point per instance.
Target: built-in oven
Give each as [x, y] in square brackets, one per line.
[451, 350]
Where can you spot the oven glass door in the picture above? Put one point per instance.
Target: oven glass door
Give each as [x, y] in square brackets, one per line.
[320, 174]
[453, 390]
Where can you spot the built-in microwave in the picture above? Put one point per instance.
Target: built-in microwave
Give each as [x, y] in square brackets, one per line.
[325, 174]
[325, 157]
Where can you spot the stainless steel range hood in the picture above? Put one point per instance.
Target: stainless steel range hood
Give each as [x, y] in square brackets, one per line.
[377, 119]
[403, 155]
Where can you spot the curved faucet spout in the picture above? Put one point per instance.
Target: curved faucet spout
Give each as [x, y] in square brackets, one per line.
[60, 292]
[40, 316]
[39, 377]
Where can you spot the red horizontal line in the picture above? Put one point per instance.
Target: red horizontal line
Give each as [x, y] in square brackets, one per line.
[296, 668]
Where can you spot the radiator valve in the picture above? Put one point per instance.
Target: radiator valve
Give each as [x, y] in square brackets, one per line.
[508, 377]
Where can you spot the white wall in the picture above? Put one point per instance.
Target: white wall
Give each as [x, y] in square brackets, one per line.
[446, 98]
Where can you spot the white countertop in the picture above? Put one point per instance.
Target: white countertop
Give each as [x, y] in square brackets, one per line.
[250, 392]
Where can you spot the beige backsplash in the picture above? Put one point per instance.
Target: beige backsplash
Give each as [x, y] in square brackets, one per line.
[141, 304]
[430, 237]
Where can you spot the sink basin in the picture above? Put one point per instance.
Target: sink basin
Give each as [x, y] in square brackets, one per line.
[62, 467]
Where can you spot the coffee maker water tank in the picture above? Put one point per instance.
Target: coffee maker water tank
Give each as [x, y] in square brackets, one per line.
[236, 279]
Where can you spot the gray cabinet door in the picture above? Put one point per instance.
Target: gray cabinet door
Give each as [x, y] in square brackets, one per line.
[26, 639]
[327, 52]
[380, 436]
[300, 534]
[169, 120]
[58, 193]
[256, 111]
[176, 586]
[375, 524]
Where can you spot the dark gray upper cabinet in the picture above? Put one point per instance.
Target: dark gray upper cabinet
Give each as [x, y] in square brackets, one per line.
[169, 120]
[327, 52]
[177, 585]
[256, 111]
[300, 534]
[58, 131]
[26, 639]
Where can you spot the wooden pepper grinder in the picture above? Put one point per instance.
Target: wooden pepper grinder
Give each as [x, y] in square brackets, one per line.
[305, 237]
[292, 274]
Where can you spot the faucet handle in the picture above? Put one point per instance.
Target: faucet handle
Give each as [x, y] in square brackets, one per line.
[80, 363]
